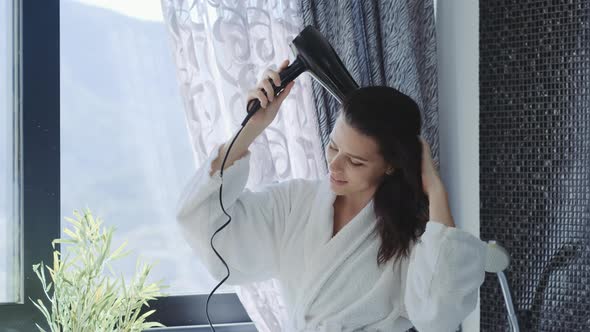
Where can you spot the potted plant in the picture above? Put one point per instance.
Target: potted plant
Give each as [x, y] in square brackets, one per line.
[83, 292]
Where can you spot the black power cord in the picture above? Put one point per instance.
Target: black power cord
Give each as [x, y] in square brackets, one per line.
[252, 107]
[219, 229]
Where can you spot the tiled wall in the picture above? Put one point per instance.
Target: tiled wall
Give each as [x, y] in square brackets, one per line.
[535, 160]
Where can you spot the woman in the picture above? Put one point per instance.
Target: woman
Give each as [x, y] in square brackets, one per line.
[371, 247]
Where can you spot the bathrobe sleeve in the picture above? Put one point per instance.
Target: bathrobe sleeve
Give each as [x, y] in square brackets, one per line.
[444, 273]
[250, 243]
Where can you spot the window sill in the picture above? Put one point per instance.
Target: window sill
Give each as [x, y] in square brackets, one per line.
[237, 327]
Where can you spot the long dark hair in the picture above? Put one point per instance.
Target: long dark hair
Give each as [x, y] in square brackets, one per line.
[401, 206]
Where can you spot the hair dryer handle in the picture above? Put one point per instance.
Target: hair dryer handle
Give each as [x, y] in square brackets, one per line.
[287, 75]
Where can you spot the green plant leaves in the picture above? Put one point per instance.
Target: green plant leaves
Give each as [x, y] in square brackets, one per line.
[81, 295]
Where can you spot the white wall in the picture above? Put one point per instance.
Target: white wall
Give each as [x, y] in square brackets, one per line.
[457, 28]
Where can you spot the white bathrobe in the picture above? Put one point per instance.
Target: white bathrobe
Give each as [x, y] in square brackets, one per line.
[329, 283]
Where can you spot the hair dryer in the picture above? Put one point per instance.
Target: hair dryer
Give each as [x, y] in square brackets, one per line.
[314, 54]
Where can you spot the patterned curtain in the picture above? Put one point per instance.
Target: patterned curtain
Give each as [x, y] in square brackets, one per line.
[389, 43]
[221, 49]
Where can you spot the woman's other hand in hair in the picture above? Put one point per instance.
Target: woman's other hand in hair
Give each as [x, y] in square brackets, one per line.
[431, 182]
[439, 209]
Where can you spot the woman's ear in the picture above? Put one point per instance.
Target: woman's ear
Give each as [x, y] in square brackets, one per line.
[390, 170]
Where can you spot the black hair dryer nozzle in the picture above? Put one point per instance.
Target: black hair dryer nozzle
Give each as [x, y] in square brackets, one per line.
[314, 54]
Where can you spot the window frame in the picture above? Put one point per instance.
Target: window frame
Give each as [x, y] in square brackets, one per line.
[38, 48]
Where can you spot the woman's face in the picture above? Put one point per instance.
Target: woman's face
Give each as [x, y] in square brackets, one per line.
[354, 159]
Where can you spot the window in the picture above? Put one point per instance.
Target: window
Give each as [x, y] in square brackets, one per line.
[121, 182]
[10, 241]
[125, 149]
[33, 141]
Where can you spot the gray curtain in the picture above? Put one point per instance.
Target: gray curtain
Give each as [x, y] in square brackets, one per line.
[386, 42]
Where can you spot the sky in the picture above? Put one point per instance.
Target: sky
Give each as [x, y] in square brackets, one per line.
[141, 9]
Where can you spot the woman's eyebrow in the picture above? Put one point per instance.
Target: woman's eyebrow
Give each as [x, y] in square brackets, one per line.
[353, 156]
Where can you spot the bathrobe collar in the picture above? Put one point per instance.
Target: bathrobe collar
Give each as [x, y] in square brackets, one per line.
[324, 253]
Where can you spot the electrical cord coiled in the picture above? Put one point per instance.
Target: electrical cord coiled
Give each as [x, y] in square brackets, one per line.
[219, 229]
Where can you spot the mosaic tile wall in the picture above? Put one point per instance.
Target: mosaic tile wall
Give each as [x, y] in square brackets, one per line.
[535, 160]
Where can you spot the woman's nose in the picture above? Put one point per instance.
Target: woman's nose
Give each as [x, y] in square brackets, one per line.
[335, 165]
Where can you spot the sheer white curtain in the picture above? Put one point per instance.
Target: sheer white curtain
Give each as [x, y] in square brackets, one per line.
[221, 49]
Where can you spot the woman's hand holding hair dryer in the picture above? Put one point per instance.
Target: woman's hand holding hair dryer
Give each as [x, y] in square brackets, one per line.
[269, 104]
